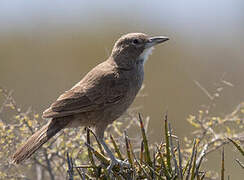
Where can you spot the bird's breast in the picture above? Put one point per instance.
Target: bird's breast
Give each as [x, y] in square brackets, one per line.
[135, 83]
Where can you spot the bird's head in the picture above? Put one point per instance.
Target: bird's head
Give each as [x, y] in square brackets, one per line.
[134, 48]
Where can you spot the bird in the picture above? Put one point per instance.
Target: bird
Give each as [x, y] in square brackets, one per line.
[101, 96]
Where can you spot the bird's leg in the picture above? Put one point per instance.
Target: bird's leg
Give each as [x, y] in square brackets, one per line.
[114, 161]
[99, 131]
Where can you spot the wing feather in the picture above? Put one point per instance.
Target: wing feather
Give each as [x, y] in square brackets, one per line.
[94, 92]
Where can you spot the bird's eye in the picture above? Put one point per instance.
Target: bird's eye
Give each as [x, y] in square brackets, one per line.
[135, 41]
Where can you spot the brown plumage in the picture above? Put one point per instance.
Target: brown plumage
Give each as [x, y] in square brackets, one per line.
[101, 96]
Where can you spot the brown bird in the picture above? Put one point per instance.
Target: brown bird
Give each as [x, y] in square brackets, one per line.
[102, 96]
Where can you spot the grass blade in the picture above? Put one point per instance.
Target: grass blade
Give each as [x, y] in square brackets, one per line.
[194, 165]
[128, 150]
[168, 156]
[99, 144]
[191, 159]
[90, 156]
[164, 168]
[186, 166]
[116, 148]
[141, 152]
[70, 167]
[180, 159]
[172, 151]
[99, 156]
[145, 143]
[200, 158]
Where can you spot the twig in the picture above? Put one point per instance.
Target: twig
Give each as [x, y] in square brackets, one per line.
[240, 163]
[49, 168]
[70, 167]
[223, 164]
[204, 90]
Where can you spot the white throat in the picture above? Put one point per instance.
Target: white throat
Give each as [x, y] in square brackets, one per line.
[145, 54]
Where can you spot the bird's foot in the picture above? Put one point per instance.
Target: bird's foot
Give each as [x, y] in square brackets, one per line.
[120, 163]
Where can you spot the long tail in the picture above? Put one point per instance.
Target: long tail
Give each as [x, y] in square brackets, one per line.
[38, 139]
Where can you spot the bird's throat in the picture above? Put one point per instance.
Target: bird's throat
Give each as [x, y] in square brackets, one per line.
[145, 54]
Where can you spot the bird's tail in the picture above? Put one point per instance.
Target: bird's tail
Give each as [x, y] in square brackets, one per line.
[38, 139]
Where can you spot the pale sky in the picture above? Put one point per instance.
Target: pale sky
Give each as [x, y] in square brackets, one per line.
[187, 14]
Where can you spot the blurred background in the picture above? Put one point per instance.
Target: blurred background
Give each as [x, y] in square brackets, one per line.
[48, 46]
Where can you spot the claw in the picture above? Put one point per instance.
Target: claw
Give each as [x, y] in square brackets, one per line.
[118, 162]
[113, 160]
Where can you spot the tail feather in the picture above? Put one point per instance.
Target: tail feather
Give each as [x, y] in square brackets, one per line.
[38, 139]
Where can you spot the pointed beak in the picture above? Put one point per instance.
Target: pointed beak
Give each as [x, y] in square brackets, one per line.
[156, 40]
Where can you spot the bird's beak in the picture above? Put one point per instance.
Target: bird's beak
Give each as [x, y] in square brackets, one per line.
[156, 40]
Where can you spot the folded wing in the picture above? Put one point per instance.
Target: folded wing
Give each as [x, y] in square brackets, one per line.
[93, 93]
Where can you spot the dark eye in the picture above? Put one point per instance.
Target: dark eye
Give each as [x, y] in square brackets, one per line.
[135, 41]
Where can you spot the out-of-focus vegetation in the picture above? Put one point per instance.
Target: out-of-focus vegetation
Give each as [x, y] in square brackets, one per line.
[69, 157]
[51, 157]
